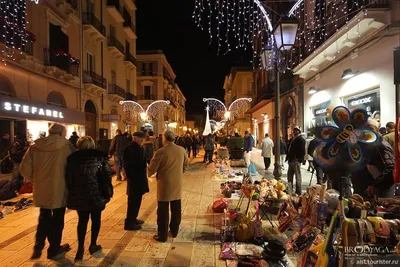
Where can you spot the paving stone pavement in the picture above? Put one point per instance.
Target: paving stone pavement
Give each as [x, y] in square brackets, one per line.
[196, 245]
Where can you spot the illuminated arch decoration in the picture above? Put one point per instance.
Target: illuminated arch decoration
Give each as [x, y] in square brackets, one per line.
[341, 144]
[218, 110]
[133, 110]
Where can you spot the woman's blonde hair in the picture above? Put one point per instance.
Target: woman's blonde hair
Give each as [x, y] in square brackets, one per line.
[86, 142]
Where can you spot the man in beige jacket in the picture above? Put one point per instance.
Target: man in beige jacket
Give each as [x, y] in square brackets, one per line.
[44, 165]
[169, 162]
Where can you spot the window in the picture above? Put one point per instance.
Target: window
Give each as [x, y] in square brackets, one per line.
[56, 99]
[128, 86]
[150, 68]
[90, 63]
[127, 47]
[147, 92]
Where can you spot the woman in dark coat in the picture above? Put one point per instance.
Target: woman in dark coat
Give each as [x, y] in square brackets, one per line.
[89, 185]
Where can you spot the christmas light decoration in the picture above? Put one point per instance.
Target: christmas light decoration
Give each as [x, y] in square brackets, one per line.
[207, 127]
[237, 21]
[133, 110]
[13, 31]
[236, 109]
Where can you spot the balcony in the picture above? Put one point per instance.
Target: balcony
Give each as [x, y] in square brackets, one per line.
[115, 10]
[130, 61]
[130, 96]
[130, 29]
[94, 83]
[115, 47]
[146, 97]
[59, 64]
[73, 3]
[93, 26]
[116, 93]
[334, 41]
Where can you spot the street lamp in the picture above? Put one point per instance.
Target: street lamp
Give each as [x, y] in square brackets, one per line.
[272, 57]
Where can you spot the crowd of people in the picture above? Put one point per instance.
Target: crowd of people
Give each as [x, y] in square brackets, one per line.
[72, 173]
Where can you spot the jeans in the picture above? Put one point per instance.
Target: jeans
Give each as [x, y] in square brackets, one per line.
[294, 169]
[163, 218]
[194, 149]
[283, 157]
[50, 226]
[267, 162]
[319, 172]
[95, 216]
[134, 202]
[119, 163]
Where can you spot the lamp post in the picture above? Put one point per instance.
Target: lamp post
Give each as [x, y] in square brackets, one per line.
[272, 58]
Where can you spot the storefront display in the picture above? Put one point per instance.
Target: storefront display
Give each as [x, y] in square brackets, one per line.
[369, 101]
[33, 119]
[321, 115]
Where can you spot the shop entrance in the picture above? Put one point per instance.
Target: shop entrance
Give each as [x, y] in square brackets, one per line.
[90, 119]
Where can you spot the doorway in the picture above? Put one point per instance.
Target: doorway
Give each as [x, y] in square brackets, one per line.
[90, 119]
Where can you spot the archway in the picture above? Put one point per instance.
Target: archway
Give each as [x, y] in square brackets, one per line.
[288, 117]
[6, 87]
[56, 99]
[90, 119]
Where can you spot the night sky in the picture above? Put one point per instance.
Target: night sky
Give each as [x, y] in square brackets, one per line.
[168, 25]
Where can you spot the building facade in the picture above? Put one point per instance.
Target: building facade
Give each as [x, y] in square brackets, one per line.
[353, 65]
[156, 81]
[61, 66]
[239, 84]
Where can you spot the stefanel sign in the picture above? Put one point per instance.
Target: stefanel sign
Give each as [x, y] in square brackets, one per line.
[11, 107]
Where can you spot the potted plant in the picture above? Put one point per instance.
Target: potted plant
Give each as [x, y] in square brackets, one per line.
[235, 146]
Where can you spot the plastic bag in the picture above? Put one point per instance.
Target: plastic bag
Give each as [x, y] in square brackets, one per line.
[252, 169]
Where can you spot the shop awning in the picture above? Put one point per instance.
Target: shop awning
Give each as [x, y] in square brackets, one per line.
[359, 29]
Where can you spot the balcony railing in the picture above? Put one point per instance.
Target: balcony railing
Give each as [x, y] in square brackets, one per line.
[130, 96]
[94, 78]
[146, 97]
[116, 4]
[131, 58]
[128, 23]
[60, 61]
[112, 41]
[90, 18]
[116, 90]
[73, 3]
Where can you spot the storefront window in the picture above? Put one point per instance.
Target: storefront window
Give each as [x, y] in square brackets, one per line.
[369, 101]
[321, 115]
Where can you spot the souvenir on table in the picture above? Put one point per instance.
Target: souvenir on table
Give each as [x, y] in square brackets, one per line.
[220, 205]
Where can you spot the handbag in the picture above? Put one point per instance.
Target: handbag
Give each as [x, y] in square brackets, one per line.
[26, 188]
[104, 180]
[219, 205]
[243, 231]
[256, 225]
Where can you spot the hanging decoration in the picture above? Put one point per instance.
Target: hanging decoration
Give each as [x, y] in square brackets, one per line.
[237, 22]
[207, 127]
[61, 53]
[238, 107]
[340, 145]
[218, 110]
[13, 32]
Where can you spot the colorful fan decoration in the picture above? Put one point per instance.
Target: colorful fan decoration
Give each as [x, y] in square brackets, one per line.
[344, 138]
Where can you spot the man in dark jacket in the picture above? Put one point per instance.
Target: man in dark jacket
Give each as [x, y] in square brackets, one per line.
[74, 138]
[248, 146]
[295, 156]
[135, 171]
[117, 148]
[188, 144]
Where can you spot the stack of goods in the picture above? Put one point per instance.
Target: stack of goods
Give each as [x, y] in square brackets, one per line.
[10, 207]
[223, 171]
[229, 188]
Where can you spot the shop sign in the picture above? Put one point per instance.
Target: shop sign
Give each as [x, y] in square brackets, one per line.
[11, 107]
[34, 110]
[361, 101]
[110, 117]
[321, 111]
[369, 102]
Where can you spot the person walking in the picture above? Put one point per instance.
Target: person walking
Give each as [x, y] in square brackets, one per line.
[74, 138]
[209, 144]
[309, 157]
[295, 156]
[117, 148]
[188, 143]
[135, 171]
[283, 151]
[248, 147]
[148, 146]
[195, 144]
[266, 150]
[319, 171]
[89, 185]
[169, 162]
[44, 165]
